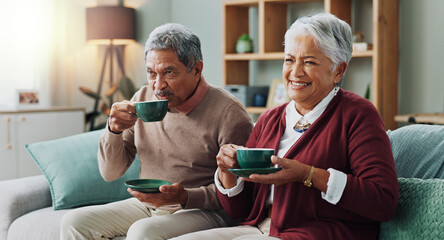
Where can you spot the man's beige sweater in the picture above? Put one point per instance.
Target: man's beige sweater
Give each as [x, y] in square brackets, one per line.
[181, 148]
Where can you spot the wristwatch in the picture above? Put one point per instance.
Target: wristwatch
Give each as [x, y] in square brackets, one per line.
[308, 182]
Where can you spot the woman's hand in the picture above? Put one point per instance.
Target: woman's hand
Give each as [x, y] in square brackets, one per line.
[292, 171]
[227, 159]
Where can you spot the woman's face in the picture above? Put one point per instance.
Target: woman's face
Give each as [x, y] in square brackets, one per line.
[307, 73]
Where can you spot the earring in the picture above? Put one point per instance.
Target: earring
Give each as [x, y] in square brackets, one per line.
[336, 89]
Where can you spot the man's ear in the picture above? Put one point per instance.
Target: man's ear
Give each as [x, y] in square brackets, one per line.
[198, 69]
[339, 72]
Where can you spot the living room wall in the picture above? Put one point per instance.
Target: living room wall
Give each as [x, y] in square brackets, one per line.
[421, 83]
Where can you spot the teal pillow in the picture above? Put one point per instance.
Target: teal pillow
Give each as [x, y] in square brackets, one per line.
[71, 167]
[420, 211]
[418, 150]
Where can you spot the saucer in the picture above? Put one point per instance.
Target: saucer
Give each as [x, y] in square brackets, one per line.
[146, 185]
[246, 172]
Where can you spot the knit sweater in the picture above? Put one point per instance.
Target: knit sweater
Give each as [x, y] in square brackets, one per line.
[350, 137]
[181, 148]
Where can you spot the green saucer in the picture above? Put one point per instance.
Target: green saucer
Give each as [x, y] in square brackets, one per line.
[146, 185]
[246, 172]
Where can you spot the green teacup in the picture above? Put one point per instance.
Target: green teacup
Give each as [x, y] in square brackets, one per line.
[254, 157]
[152, 111]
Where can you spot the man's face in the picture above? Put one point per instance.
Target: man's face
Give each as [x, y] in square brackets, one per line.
[169, 78]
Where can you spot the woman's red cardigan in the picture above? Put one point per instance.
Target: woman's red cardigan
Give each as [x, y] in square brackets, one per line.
[350, 137]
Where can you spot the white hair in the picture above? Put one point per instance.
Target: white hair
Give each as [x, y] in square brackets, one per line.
[178, 38]
[331, 34]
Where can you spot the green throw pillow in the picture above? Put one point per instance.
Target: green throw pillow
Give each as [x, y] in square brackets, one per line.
[71, 167]
[420, 211]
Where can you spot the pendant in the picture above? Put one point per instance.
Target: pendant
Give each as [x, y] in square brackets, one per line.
[301, 128]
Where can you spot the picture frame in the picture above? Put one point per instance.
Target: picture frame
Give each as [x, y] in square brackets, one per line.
[278, 94]
[27, 99]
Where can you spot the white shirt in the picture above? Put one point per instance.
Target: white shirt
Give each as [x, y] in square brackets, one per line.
[337, 180]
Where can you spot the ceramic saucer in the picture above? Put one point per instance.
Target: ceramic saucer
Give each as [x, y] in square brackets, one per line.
[245, 172]
[146, 185]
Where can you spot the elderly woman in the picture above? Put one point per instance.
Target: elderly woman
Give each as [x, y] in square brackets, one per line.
[338, 179]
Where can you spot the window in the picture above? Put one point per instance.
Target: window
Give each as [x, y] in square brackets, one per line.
[25, 46]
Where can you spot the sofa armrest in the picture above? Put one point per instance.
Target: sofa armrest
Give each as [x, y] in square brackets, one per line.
[21, 196]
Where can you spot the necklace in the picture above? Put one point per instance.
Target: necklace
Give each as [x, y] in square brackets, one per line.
[301, 128]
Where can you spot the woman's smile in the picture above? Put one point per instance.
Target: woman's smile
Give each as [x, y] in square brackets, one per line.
[299, 84]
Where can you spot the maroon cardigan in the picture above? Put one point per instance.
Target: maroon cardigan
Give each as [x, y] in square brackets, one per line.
[350, 137]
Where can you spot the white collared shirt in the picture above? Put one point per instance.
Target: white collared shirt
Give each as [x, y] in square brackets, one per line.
[337, 180]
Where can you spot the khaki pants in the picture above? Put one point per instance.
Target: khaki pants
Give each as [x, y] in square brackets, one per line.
[132, 218]
[237, 233]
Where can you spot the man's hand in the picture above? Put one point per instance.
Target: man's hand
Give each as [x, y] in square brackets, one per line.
[121, 116]
[169, 195]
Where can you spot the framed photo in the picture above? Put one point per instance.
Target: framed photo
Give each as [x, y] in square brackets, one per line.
[27, 98]
[278, 94]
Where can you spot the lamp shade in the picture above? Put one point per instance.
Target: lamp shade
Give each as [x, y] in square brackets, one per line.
[110, 23]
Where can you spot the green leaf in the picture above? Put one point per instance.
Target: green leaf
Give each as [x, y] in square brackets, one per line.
[111, 91]
[89, 92]
[244, 37]
[367, 92]
[127, 87]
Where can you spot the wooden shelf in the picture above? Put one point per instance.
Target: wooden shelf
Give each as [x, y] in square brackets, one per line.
[254, 56]
[241, 2]
[256, 110]
[278, 55]
[357, 54]
[272, 23]
[429, 118]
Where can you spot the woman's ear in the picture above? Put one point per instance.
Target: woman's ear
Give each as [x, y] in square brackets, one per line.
[339, 72]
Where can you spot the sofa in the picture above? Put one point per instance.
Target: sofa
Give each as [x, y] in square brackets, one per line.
[32, 207]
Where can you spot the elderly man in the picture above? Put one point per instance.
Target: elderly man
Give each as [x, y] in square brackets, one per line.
[181, 148]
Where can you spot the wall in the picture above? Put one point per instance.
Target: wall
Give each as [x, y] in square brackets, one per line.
[204, 18]
[421, 51]
[78, 63]
[421, 66]
[421, 81]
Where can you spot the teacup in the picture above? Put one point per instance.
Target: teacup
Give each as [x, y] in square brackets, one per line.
[254, 157]
[151, 111]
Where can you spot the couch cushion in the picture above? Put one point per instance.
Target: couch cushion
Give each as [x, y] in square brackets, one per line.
[71, 167]
[420, 211]
[418, 151]
[40, 224]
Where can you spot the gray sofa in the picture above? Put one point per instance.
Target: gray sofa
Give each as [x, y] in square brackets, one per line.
[26, 210]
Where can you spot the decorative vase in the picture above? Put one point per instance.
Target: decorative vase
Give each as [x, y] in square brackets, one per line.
[244, 44]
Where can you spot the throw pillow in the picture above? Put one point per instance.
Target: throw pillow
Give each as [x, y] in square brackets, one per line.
[71, 167]
[418, 150]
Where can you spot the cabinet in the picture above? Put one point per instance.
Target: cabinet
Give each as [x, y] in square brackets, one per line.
[18, 128]
[273, 20]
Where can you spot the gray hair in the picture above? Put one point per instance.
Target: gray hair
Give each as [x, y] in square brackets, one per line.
[331, 34]
[178, 38]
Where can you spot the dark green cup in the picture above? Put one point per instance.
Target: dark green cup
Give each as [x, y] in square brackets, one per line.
[151, 111]
[254, 157]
